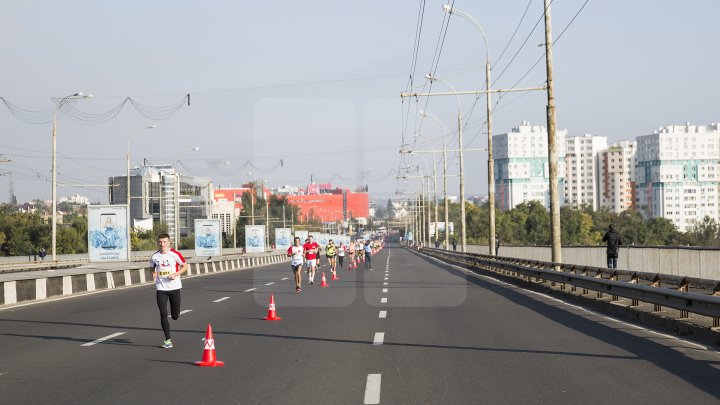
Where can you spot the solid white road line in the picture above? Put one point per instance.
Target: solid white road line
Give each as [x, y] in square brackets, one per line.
[383, 315]
[372, 389]
[385, 290]
[222, 299]
[250, 289]
[270, 283]
[379, 337]
[102, 339]
[383, 300]
[636, 327]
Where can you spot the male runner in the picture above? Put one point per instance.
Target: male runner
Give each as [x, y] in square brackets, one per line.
[311, 251]
[331, 252]
[168, 265]
[296, 253]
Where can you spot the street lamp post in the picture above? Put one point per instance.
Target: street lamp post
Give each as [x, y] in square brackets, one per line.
[463, 231]
[491, 163]
[443, 127]
[128, 196]
[62, 101]
[432, 148]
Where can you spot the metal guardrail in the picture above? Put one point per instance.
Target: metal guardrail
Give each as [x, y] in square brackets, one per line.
[657, 289]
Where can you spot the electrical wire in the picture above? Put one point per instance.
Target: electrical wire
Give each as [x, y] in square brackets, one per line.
[66, 107]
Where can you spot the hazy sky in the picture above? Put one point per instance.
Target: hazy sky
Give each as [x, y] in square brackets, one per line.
[317, 83]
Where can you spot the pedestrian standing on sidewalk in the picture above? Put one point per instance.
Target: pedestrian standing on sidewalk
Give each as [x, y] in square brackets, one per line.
[614, 240]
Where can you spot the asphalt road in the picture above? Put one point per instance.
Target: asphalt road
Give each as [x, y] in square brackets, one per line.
[438, 335]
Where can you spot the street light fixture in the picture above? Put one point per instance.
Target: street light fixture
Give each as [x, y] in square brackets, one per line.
[463, 231]
[491, 163]
[74, 96]
[443, 127]
[434, 183]
[128, 197]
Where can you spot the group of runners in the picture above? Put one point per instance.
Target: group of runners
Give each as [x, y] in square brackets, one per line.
[307, 256]
[168, 265]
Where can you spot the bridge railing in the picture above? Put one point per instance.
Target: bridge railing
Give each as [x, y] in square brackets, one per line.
[686, 294]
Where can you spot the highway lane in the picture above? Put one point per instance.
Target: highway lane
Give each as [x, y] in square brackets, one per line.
[446, 336]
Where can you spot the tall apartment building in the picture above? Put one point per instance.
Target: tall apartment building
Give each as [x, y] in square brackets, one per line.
[159, 193]
[678, 168]
[521, 165]
[617, 173]
[582, 174]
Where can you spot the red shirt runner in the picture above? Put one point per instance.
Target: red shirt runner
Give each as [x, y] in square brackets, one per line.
[311, 249]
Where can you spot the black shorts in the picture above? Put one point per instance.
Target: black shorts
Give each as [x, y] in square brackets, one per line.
[330, 256]
[296, 268]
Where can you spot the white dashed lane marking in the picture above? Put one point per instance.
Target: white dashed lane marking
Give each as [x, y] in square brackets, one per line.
[102, 339]
[382, 315]
[250, 289]
[222, 299]
[284, 279]
[383, 300]
[270, 283]
[379, 338]
[385, 290]
[372, 389]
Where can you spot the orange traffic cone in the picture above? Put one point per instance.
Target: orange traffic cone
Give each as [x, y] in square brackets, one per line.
[209, 359]
[324, 283]
[334, 277]
[271, 316]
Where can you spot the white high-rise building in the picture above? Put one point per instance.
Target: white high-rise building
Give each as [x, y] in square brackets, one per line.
[582, 174]
[678, 168]
[160, 193]
[521, 165]
[617, 173]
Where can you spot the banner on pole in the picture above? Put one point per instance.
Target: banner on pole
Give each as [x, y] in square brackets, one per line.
[254, 238]
[208, 237]
[283, 238]
[107, 233]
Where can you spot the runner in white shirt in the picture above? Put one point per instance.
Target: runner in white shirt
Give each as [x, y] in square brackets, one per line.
[296, 253]
[341, 254]
[168, 264]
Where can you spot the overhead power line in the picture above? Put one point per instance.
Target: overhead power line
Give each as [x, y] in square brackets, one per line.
[66, 108]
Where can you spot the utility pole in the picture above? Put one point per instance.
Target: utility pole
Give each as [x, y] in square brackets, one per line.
[552, 152]
[252, 204]
[267, 219]
[491, 164]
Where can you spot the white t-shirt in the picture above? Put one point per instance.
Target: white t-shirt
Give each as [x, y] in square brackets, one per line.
[297, 255]
[341, 250]
[165, 264]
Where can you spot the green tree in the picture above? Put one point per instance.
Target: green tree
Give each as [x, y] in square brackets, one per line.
[19, 244]
[704, 233]
[577, 227]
